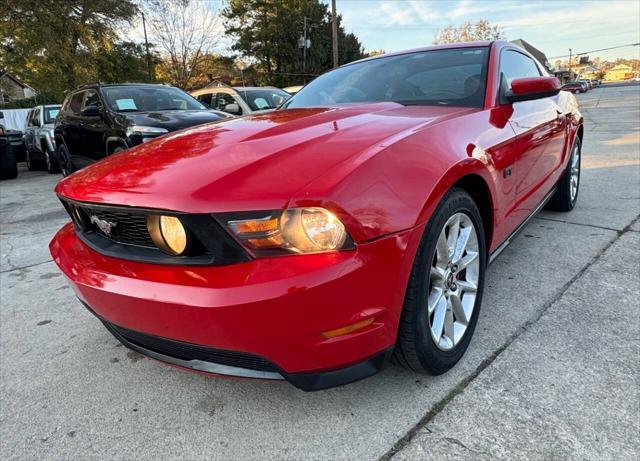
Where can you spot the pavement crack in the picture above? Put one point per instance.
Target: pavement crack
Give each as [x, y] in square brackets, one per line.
[26, 267]
[595, 226]
[462, 385]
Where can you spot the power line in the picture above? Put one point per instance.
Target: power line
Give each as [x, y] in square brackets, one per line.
[595, 51]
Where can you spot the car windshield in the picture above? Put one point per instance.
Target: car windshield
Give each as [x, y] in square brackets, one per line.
[50, 113]
[455, 77]
[149, 98]
[267, 98]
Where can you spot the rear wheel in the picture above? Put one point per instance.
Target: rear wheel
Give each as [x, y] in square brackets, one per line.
[31, 164]
[50, 159]
[566, 195]
[64, 159]
[445, 289]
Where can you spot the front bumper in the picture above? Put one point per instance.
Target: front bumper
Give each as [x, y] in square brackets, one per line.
[274, 309]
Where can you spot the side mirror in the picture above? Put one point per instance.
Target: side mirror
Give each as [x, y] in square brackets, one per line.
[36, 122]
[91, 111]
[530, 88]
[232, 108]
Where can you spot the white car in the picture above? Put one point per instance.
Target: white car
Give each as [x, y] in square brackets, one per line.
[241, 100]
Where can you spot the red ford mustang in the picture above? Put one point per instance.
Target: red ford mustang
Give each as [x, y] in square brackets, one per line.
[316, 242]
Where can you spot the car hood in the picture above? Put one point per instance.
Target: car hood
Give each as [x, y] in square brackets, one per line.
[250, 163]
[171, 120]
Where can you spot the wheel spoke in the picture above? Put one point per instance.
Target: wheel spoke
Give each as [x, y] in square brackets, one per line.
[434, 298]
[452, 238]
[467, 286]
[458, 309]
[442, 250]
[461, 244]
[436, 274]
[438, 318]
[470, 257]
[448, 326]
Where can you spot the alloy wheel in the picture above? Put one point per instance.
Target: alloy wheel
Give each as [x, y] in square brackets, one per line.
[453, 281]
[47, 159]
[575, 172]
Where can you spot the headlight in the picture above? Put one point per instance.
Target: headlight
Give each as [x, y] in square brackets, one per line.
[295, 230]
[142, 130]
[168, 233]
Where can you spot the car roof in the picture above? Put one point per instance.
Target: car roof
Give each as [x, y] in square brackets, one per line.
[249, 88]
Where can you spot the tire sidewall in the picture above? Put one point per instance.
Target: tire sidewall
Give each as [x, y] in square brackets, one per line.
[578, 144]
[431, 357]
[64, 160]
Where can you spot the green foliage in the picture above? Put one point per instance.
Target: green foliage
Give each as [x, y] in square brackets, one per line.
[56, 45]
[268, 31]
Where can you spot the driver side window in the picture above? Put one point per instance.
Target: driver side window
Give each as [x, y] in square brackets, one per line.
[517, 65]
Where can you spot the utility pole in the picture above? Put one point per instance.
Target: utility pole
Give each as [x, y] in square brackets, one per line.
[304, 47]
[570, 64]
[334, 33]
[146, 44]
[305, 44]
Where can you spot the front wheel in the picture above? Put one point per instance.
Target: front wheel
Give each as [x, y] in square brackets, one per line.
[445, 288]
[31, 165]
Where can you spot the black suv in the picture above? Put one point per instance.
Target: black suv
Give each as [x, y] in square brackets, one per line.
[97, 120]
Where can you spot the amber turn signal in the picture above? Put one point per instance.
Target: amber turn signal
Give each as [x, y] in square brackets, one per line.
[348, 329]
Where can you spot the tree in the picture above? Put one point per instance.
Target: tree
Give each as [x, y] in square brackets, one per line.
[468, 32]
[56, 45]
[268, 32]
[186, 32]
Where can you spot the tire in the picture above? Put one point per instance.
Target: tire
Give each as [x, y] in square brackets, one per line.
[565, 197]
[8, 165]
[50, 160]
[65, 161]
[31, 164]
[417, 347]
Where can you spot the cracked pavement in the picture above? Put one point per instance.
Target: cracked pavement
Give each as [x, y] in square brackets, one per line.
[552, 370]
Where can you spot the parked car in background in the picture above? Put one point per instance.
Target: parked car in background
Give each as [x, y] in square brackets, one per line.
[39, 139]
[8, 165]
[241, 100]
[293, 89]
[14, 137]
[574, 87]
[314, 242]
[587, 83]
[98, 120]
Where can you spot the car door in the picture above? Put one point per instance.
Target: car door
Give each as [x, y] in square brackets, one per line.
[29, 131]
[540, 134]
[70, 124]
[91, 126]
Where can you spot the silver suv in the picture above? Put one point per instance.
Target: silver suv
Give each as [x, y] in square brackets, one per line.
[241, 100]
[39, 140]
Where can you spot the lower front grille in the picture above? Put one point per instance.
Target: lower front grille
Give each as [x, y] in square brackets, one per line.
[121, 232]
[128, 228]
[188, 351]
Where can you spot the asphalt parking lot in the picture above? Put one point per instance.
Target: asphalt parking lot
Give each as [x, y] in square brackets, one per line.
[553, 370]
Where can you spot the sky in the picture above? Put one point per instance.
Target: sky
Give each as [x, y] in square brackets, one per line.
[553, 26]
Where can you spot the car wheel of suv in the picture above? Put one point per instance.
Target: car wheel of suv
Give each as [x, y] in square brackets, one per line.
[64, 160]
[50, 160]
[445, 288]
[31, 165]
[566, 195]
